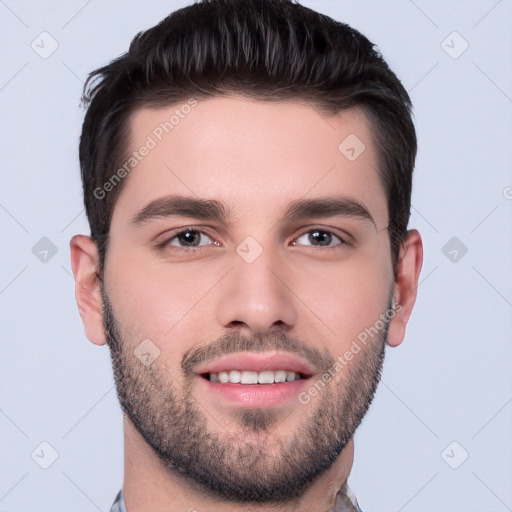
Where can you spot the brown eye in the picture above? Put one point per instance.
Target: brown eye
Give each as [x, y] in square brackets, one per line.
[319, 238]
[189, 238]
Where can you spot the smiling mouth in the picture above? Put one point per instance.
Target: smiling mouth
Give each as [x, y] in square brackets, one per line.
[249, 377]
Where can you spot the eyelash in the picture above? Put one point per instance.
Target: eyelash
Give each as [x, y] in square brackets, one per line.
[167, 242]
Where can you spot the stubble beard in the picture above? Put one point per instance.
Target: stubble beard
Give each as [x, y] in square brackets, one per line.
[252, 465]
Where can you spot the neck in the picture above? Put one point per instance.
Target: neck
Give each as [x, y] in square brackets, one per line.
[148, 485]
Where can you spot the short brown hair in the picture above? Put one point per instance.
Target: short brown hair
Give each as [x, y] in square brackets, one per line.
[269, 50]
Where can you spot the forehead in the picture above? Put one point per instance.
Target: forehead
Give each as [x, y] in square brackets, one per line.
[256, 156]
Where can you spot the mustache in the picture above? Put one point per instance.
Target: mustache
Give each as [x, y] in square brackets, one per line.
[232, 343]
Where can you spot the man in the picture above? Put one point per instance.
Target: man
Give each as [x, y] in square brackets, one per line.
[247, 171]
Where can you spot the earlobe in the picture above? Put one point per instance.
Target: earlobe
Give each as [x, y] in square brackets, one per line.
[85, 264]
[406, 285]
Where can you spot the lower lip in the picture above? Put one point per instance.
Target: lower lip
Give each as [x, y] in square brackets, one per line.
[256, 395]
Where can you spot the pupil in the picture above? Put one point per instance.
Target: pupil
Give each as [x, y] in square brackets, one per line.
[188, 238]
[320, 236]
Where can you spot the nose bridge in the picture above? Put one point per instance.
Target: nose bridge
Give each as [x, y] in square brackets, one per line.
[255, 293]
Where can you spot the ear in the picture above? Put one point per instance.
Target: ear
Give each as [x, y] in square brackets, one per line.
[406, 285]
[85, 265]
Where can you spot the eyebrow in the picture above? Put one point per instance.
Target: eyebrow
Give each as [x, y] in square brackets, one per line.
[213, 210]
[323, 207]
[182, 206]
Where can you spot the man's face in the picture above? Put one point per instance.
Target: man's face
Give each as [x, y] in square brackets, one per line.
[271, 276]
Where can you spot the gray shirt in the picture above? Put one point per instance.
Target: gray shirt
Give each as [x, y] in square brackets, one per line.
[345, 501]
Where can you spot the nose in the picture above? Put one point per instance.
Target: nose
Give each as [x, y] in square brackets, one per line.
[256, 296]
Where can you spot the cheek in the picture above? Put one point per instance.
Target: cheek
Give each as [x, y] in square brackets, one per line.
[154, 301]
[348, 297]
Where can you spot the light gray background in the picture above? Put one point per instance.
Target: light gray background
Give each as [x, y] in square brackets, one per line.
[449, 382]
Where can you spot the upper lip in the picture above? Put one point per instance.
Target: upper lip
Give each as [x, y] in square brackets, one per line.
[257, 362]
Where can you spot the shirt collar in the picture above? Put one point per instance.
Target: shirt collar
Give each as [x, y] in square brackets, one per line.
[344, 501]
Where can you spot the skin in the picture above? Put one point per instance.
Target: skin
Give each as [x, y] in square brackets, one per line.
[256, 157]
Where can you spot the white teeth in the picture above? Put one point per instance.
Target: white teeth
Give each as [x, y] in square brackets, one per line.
[266, 377]
[290, 376]
[280, 376]
[235, 376]
[250, 377]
